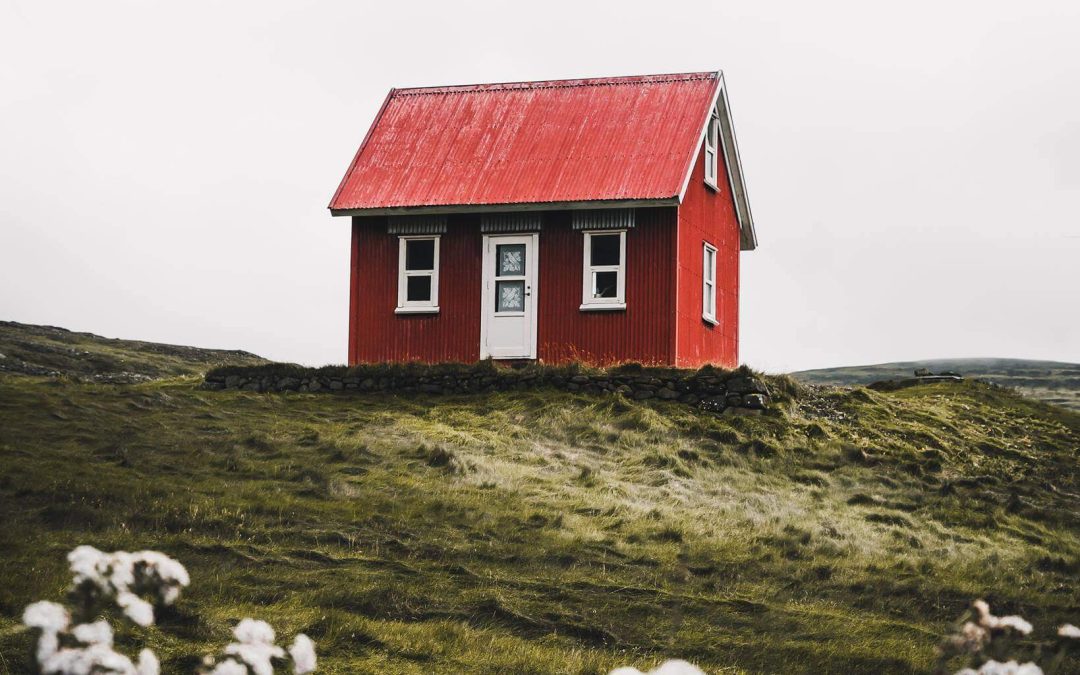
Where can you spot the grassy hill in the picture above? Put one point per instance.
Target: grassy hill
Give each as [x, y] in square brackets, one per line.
[540, 531]
[1050, 381]
[46, 350]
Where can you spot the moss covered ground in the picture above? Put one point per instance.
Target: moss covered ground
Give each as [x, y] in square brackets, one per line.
[542, 531]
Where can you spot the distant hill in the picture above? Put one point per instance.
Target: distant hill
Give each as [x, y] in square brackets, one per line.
[49, 351]
[1050, 381]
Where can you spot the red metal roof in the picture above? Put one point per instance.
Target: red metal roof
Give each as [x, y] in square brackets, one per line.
[616, 138]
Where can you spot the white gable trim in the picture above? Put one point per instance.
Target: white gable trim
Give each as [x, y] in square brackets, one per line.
[736, 182]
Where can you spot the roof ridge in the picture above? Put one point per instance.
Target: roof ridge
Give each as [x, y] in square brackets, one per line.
[555, 84]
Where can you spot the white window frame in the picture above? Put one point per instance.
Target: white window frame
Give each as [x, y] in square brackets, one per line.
[404, 305]
[588, 302]
[712, 150]
[708, 283]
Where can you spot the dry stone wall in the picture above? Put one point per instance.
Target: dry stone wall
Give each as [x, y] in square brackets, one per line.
[734, 392]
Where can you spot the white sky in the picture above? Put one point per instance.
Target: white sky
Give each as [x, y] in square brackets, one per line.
[914, 168]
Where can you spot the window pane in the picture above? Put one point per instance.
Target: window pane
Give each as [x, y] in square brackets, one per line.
[709, 265]
[605, 284]
[509, 296]
[510, 260]
[419, 254]
[418, 289]
[605, 249]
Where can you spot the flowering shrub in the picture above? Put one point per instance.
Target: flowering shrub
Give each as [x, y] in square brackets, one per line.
[71, 639]
[982, 637]
[254, 651]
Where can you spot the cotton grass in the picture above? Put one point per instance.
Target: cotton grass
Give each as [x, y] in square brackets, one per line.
[73, 640]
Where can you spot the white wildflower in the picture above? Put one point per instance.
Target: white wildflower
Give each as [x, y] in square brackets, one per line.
[676, 667]
[229, 667]
[255, 650]
[135, 608]
[47, 645]
[302, 652]
[1017, 623]
[253, 631]
[83, 562]
[122, 577]
[92, 660]
[163, 572]
[50, 617]
[992, 667]
[971, 638]
[256, 655]
[1069, 631]
[991, 622]
[148, 663]
[97, 633]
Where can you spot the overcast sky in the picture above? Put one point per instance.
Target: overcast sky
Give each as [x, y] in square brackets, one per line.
[914, 168]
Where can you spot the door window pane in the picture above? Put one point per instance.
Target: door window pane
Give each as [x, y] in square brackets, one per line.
[418, 289]
[420, 254]
[605, 249]
[509, 296]
[510, 260]
[605, 284]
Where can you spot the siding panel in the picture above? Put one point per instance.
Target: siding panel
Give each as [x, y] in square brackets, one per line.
[706, 215]
[451, 335]
[643, 332]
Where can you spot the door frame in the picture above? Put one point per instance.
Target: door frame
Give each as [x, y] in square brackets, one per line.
[487, 299]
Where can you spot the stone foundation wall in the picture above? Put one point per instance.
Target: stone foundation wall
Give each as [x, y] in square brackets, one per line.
[733, 392]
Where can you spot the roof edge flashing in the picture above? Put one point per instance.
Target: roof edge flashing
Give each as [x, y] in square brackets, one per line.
[550, 84]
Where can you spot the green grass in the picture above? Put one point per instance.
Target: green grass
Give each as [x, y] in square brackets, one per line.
[542, 531]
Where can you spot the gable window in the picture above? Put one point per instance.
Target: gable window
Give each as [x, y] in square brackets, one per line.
[604, 279]
[418, 275]
[708, 284]
[712, 144]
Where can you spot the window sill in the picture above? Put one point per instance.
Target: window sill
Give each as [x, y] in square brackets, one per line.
[709, 320]
[712, 185]
[416, 310]
[608, 307]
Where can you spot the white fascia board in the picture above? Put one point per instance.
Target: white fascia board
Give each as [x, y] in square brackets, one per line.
[732, 164]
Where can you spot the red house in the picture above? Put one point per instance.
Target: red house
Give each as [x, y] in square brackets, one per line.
[597, 220]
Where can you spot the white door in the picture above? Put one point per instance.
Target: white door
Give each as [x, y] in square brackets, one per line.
[508, 308]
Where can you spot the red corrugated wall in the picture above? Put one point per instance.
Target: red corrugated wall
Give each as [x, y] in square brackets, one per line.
[708, 215]
[644, 332]
[378, 334]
